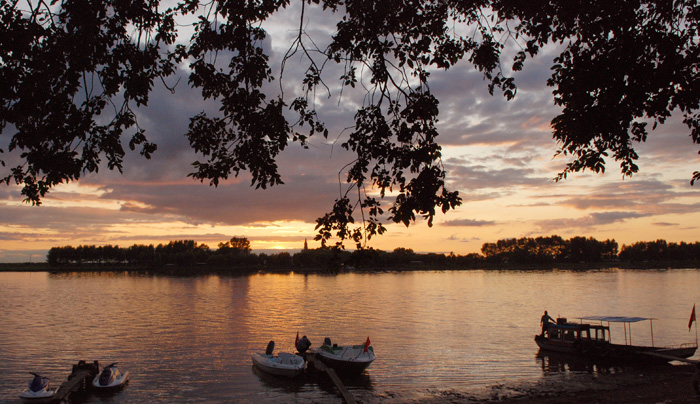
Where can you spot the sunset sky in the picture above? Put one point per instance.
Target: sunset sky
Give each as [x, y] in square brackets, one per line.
[498, 154]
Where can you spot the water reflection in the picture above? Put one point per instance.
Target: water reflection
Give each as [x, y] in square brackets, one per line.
[289, 385]
[189, 339]
[361, 382]
[552, 363]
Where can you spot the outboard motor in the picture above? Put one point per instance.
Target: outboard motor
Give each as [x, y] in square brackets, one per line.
[270, 348]
[38, 383]
[107, 375]
[327, 341]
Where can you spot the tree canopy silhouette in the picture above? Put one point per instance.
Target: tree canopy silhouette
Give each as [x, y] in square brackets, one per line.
[72, 73]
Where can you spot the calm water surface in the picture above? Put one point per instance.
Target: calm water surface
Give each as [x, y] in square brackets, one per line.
[435, 333]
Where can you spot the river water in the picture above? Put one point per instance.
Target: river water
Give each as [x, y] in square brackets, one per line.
[435, 333]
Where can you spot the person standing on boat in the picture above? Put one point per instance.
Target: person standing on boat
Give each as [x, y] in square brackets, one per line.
[544, 321]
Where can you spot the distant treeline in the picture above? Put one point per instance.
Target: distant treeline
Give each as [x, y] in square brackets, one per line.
[236, 256]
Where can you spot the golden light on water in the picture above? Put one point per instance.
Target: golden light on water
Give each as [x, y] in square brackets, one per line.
[194, 329]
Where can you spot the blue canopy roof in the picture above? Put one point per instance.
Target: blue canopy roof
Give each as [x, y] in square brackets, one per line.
[616, 319]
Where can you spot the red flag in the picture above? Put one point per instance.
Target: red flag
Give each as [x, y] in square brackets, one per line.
[366, 344]
[692, 318]
[296, 341]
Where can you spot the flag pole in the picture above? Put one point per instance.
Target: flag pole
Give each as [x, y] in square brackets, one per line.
[696, 325]
[690, 324]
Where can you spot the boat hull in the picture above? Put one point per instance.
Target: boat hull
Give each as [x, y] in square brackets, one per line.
[43, 396]
[615, 352]
[117, 383]
[284, 365]
[346, 360]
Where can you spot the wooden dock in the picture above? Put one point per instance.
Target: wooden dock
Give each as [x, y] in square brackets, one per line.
[312, 358]
[78, 381]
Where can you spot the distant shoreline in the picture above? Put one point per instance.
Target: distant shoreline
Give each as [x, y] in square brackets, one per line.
[206, 270]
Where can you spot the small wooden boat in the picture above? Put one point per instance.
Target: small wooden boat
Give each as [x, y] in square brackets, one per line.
[347, 359]
[592, 340]
[283, 364]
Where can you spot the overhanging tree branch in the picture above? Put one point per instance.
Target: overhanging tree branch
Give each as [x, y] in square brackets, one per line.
[622, 62]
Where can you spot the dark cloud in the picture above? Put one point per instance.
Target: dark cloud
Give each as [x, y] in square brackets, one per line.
[58, 225]
[471, 116]
[461, 239]
[667, 147]
[468, 177]
[665, 224]
[9, 236]
[302, 198]
[585, 223]
[602, 218]
[650, 196]
[469, 223]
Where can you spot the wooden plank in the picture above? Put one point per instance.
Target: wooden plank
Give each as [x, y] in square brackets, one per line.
[347, 396]
[74, 384]
[78, 380]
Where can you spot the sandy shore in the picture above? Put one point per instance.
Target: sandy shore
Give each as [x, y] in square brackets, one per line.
[653, 385]
[666, 384]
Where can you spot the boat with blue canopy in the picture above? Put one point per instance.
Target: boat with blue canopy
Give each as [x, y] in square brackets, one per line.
[590, 337]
